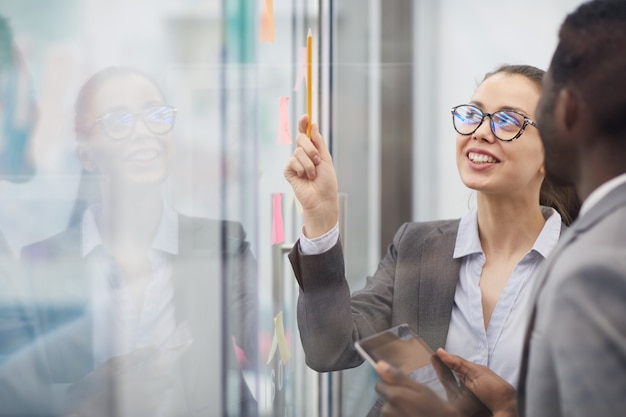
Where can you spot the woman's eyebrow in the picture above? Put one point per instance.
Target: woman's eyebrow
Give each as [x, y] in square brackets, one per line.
[517, 109]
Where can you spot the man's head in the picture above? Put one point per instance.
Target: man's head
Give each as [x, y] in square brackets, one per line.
[581, 112]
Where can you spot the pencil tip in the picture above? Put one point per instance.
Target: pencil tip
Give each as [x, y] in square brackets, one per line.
[309, 34]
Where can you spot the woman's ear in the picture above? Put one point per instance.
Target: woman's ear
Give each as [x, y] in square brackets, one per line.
[85, 158]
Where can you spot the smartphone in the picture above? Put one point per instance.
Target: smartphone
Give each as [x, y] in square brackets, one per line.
[404, 349]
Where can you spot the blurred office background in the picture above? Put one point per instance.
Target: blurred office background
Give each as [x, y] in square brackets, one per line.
[386, 74]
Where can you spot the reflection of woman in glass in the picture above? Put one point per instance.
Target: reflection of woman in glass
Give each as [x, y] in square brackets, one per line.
[461, 284]
[147, 278]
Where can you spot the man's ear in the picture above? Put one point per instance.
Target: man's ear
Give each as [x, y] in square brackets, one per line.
[568, 110]
[85, 158]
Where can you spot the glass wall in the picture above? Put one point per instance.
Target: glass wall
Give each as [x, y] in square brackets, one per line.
[144, 217]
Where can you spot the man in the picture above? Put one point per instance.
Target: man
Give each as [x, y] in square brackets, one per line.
[575, 353]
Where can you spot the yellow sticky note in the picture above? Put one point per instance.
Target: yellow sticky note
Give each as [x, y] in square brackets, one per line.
[279, 341]
[299, 208]
[272, 349]
[285, 355]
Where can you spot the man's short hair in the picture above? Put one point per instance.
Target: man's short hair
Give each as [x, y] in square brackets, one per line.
[591, 59]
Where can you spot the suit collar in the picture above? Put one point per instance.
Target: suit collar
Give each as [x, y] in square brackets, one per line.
[602, 191]
[600, 209]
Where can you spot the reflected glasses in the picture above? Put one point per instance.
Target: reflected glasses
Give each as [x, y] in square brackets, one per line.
[506, 125]
[119, 124]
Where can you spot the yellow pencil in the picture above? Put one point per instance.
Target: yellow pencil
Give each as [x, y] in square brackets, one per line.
[309, 80]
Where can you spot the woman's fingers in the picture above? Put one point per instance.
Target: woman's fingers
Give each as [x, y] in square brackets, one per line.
[303, 123]
[316, 139]
[320, 145]
[301, 164]
[309, 147]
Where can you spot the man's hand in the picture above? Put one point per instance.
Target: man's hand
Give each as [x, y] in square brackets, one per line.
[407, 398]
[498, 395]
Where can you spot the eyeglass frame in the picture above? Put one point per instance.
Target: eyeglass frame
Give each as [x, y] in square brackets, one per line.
[100, 120]
[527, 121]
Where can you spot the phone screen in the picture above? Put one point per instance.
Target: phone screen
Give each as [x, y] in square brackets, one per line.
[402, 348]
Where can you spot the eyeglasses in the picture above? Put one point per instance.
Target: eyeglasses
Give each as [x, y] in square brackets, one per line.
[506, 125]
[119, 124]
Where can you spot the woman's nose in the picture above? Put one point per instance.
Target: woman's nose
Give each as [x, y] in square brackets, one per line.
[484, 132]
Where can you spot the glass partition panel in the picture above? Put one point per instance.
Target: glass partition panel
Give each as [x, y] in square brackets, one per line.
[144, 219]
[128, 219]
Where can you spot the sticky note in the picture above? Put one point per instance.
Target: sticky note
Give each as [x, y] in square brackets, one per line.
[239, 353]
[283, 349]
[283, 137]
[279, 341]
[266, 27]
[299, 208]
[272, 349]
[302, 66]
[278, 231]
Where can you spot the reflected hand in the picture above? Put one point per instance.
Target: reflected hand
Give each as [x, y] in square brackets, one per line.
[128, 385]
[405, 397]
[311, 173]
[497, 394]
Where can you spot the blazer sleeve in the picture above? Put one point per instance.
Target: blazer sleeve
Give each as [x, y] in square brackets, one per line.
[329, 319]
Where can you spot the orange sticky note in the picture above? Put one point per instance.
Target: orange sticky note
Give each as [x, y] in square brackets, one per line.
[301, 77]
[266, 28]
[283, 137]
[278, 231]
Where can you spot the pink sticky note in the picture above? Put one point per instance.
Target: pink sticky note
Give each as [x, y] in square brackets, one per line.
[283, 136]
[278, 232]
[301, 77]
[239, 353]
[266, 27]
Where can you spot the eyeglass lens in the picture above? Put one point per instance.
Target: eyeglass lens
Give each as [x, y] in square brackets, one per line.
[504, 124]
[158, 119]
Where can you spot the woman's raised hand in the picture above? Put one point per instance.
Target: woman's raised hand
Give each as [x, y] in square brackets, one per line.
[311, 173]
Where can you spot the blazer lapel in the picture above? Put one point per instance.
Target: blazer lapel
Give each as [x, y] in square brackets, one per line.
[438, 277]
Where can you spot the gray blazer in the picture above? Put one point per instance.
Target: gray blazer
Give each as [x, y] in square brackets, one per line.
[575, 355]
[415, 284]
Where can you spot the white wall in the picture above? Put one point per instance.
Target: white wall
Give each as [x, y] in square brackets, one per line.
[462, 42]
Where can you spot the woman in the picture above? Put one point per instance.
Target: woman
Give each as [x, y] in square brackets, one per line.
[461, 284]
[133, 283]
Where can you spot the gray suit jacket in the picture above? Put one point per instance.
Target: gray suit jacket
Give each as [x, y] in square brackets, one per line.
[575, 361]
[415, 284]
